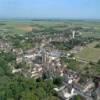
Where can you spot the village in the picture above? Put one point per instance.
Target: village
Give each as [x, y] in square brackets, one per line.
[44, 61]
[49, 49]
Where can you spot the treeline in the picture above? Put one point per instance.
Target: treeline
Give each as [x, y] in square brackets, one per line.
[2, 24]
[78, 41]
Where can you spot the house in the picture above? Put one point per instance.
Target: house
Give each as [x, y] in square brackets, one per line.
[98, 93]
[66, 92]
[19, 59]
[17, 51]
[16, 70]
[37, 71]
[76, 49]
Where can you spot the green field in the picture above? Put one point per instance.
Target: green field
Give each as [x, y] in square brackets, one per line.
[23, 26]
[20, 27]
[90, 53]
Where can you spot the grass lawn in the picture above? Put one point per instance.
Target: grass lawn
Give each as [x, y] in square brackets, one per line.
[90, 53]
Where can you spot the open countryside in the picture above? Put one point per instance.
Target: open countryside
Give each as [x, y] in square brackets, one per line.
[49, 49]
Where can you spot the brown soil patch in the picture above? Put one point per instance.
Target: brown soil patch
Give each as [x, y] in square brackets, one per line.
[26, 28]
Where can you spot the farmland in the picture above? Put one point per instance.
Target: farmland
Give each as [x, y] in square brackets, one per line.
[90, 53]
[89, 28]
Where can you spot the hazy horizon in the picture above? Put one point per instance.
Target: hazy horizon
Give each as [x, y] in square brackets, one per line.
[50, 9]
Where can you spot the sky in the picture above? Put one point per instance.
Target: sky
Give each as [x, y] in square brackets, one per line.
[72, 9]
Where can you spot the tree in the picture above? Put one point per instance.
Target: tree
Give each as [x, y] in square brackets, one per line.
[58, 81]
[98, 62]
[78, 97]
